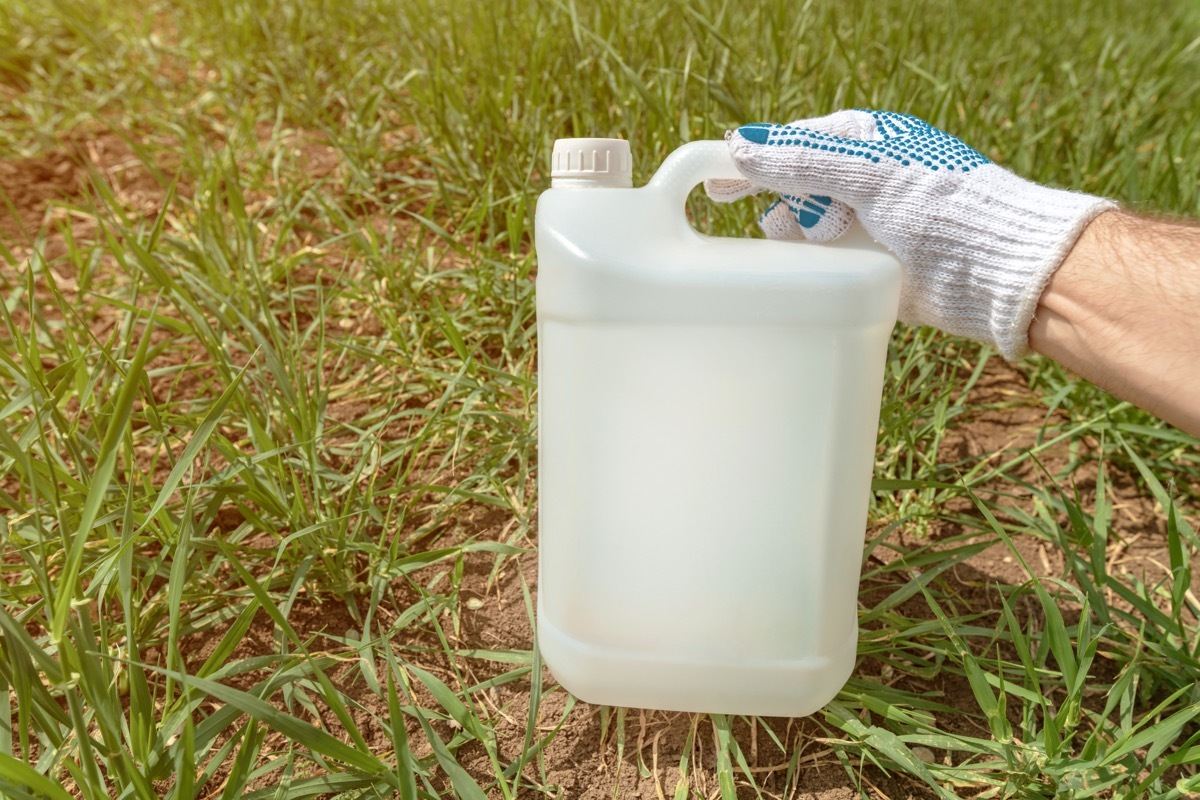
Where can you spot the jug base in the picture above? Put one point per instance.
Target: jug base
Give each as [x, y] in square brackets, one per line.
[792, 688]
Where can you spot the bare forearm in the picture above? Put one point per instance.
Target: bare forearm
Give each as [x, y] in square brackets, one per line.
[1123, 311]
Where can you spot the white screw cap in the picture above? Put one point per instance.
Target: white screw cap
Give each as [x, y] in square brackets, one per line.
[591, 162]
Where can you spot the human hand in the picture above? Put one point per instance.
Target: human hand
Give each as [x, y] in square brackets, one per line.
[978, 243]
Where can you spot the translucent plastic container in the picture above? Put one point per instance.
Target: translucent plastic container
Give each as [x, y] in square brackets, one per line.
[707, 418]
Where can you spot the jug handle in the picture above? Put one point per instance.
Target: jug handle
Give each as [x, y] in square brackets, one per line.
[689, 165]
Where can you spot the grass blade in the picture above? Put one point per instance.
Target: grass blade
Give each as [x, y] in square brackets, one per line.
[106, 462]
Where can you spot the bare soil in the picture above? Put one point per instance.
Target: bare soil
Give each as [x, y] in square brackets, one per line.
[595, 754]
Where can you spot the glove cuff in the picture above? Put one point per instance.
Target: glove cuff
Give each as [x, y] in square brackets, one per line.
[1017, 234]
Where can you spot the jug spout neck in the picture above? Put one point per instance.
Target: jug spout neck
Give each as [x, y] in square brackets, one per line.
[591, 164]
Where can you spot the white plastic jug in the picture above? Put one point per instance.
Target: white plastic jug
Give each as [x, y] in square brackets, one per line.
[708, 410]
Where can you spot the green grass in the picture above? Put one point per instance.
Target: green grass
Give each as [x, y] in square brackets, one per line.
[267, 405]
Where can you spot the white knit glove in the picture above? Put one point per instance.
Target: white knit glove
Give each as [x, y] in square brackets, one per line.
[978, 243]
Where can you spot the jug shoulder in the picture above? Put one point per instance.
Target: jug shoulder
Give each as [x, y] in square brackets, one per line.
[629, 230]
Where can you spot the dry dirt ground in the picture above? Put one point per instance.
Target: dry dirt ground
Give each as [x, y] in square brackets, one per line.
[595, 755]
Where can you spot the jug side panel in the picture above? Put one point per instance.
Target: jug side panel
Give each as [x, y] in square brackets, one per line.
[716, 521]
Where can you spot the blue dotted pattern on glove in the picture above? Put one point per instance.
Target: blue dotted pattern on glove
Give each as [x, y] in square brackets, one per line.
[808, 209]
[905, 139]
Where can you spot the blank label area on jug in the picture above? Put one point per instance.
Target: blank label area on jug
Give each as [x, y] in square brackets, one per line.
[700, 521]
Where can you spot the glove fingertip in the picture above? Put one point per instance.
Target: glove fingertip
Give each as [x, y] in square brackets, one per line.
[727, 190]
[822, 218]
[756, 132]
[829, 229]
[779, 222]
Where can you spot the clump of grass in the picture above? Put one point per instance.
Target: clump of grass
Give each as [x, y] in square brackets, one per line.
[267, 411]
